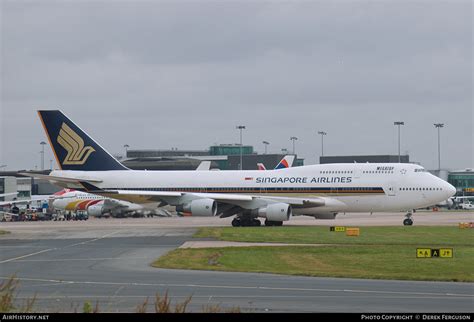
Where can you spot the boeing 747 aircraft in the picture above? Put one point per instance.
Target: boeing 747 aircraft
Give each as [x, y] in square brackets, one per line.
[319, 191]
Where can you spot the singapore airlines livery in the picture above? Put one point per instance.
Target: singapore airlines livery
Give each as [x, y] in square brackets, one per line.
[320, 191]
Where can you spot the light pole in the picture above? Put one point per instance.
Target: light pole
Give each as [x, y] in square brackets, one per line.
[266, 144]
[439, 126]
[240, 127]
[126, 146]
[42, 154]
[398, 124]
[322, 133]
[293, 138]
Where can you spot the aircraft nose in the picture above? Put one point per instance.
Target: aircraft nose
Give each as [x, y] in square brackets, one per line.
[450, 190]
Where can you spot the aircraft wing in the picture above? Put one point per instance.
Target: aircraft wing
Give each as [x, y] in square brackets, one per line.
[61, 179]
[156, 196]
[11, 202]
[176, 197]
[116, 203]
[112, 204]
[244, 201]
[8, 194]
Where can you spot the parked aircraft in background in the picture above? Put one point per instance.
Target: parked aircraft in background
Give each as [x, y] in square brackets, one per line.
[285, 163]
[320, 191]
[74, 201]
[94, 205]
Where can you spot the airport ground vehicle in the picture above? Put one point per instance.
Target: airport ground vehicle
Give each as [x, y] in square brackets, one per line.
[467, 205]
[4, 216]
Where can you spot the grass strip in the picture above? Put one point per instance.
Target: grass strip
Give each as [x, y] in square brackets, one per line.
[396, 235]
[356, 261]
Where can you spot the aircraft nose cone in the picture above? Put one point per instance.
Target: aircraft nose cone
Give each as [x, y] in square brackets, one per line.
[451, 190]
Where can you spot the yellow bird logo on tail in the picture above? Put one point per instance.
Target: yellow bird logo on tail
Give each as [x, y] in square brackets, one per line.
[77, 153]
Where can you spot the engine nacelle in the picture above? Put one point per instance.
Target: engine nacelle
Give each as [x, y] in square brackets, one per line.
[276, 212]
[95, 210]
[329, 215]
[200, 207]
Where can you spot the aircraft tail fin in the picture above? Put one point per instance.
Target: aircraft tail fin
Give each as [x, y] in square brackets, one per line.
[286, 162]
[72, 147]
[261, 166]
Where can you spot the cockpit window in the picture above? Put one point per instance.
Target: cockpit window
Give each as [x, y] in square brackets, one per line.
[420, 170]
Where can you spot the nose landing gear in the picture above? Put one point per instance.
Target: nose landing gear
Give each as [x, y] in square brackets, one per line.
[408, 221]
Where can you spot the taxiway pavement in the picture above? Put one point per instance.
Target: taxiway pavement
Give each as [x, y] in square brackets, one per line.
[65, 264]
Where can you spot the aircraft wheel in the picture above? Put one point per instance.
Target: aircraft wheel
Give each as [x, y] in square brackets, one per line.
[408, 222]
[256, 223]
[236, 222]
[247, 222]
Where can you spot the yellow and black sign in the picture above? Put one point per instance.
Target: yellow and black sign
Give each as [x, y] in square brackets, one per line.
[337, 228]
[434, 252]
[468, 189]
[463, 225]
[352, 231]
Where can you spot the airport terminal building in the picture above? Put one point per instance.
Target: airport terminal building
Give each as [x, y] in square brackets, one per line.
[463, 180]
[222, 157]
[364, 159]
[12, 184]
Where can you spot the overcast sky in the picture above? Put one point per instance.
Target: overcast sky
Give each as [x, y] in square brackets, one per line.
[162, 74]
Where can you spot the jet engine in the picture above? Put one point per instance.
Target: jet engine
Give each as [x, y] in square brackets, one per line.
[200, 207]
[276, 212]
[95, 210]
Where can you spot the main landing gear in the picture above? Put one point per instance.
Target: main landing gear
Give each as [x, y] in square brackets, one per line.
[245, 222]
[408, 221]
[273, 223]
[253, 222]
